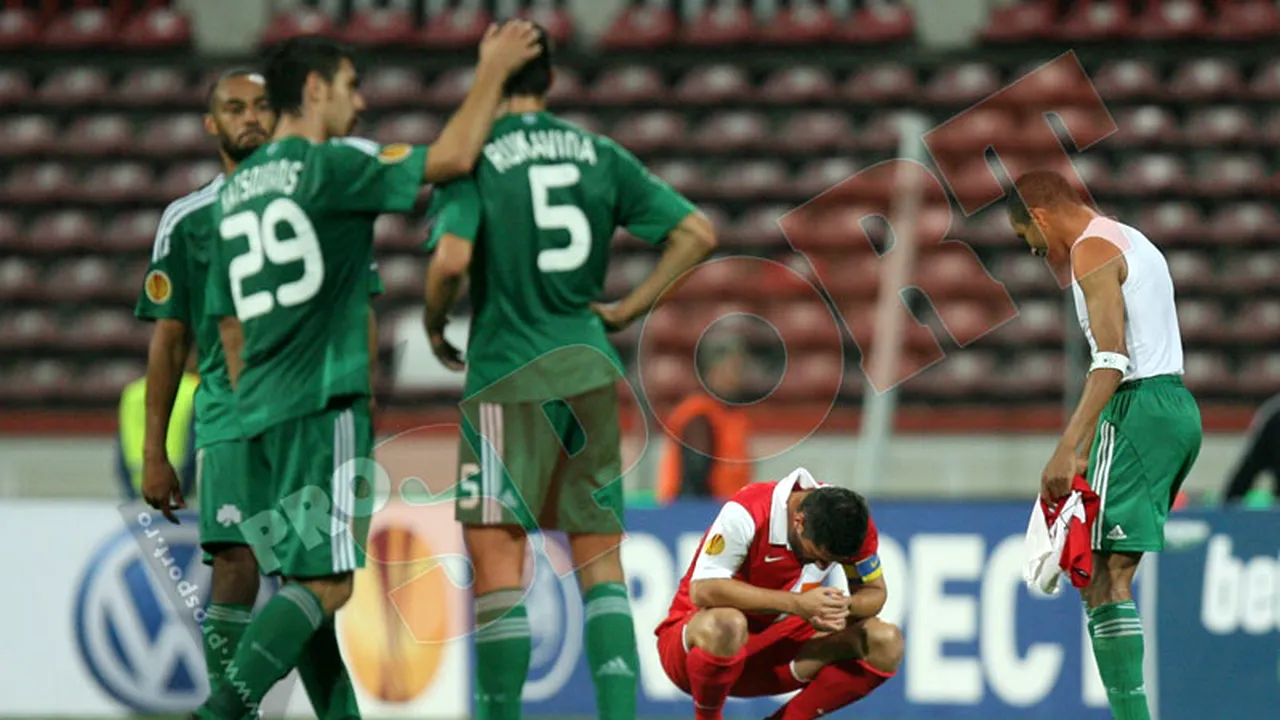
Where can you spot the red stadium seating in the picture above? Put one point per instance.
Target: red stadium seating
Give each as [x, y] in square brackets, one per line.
[641, 27]
[86, 27]
[131, 232]
[159, 27]
[19, 26]
[647, 132]
[46, 182]
[726, 23]
[74, 86]
[15, 88]
[1245, 20]
[1244, 222]
[803, 22]
[298, 20]
[456, 27]
[1207, 79]
[98, 136]
[28, 330]
[880, 22]
[963, 84]
[1128, 79]
[732, 131]
[62, 231]
[392, 87]
[815, 131]
[26, 135]
[416, 128]
[1173, 20]
[713, 85]
[1019, 22]
[156, 86]
[798, 85]
[628, 85]
[882, 83]
[374, 26]
[1096, 20]
[173, 136]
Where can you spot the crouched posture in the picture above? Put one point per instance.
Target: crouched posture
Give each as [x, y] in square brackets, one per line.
[783, 595]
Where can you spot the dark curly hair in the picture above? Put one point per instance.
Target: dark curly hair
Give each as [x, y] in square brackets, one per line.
[835, 519]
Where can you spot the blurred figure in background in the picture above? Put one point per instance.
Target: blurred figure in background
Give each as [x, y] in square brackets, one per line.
[1261, 453]
[180, 442]
[711, 458]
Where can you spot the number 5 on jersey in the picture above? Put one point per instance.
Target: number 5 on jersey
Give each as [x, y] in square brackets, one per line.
[542, 179]
[266, 246]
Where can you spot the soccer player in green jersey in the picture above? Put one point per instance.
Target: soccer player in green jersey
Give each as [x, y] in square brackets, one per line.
[1136, 431]
[286, 281]
[173, 295]
[540, 448]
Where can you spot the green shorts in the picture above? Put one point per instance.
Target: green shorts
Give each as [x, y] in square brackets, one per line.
[546, 464]
[1148, 438]
[317, 474]
[226, 494]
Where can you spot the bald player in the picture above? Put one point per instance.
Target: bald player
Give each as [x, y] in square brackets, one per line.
[173, 297]
[1136, 431]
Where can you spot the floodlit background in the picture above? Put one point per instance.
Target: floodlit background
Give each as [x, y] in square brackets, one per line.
[902, 119]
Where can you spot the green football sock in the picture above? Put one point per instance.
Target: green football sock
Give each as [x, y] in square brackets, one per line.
[224, 625]
[269, 649]
[611, 651]
[503, 646]
[325, 676]
[1116, 632]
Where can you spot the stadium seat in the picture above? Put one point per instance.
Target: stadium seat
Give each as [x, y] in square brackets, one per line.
[451, 87]
[81, 28]
[986, 229]
[1191, 270]
[959, 374]
[1173, 20]
[732, 131]
[15, 87]
[667, 379]
[1219, 126]
[1231, 175]
[27, 330]
[1207, 372]
[972, 131]
[685, 176]
[25, 135]
[586, 121]
[1145, 126]
[108, 330]
[1172, 222]
[752, 179]
[174, 136]
[184, 178]
[1025, 275]
[1032, 374]
[1207, 79]
[962, 84]
[72, 87]
[758, 228]
[156, 86]
[882, 131]
[1201, 320]
[19, 279]
[725, 24]
[456, 28]
[1257, 322]
[119, 182]
[650, 131]
[46, 182]
[414, 128]
[884, 82]
[810, 378]
[810, 131]
[392, 87]
[11, 238]
[103, 383]
[37, 383]
[1243, 20]
[1270, 131]
[879, 22]
[626, 273]
[1154, 174]
[1096, 20]
[716, 278]
[1038, 321]
[802, 22]
[641, 27]
[131, 232]
[1019, 22]
[379, 26]
[59, 232]
[1249, 273]
[566, 88]
[1265, 84]
[98, 136]
[1243, 222]
[19, 26]
[1128, 79]
[295, 20]
[797, 85]
[713, 85]
[160, 27]
[391, 234]
[818, 176]
[85, 279]
[628, 85]
[1260, 375]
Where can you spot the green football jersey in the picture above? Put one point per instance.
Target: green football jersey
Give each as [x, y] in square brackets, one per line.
[174, 289]
[296, 227]
[542, 207]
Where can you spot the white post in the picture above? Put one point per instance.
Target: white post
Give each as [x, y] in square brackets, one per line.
[886, 348]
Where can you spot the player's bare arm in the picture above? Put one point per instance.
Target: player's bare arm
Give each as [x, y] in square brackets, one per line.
[868, 599]
[232, 336]
[823, 604]
[687, 245]
[166, 358]
[1099, 268]
[502, 51]
[445, 276]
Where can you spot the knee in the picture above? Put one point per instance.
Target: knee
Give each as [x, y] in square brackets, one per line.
[1107, 587]
[235, 576]
[333, 592]
[885, 646]
[722, 631]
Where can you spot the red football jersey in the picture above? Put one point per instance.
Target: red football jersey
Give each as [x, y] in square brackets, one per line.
[748, 542]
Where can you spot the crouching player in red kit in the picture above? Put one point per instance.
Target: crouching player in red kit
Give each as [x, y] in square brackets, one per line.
[782, 595]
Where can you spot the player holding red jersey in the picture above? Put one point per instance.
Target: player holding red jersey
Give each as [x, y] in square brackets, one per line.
[782, 595]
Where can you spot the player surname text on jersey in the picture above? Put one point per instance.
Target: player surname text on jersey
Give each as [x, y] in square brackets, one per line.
[518, 147]
[278, 176]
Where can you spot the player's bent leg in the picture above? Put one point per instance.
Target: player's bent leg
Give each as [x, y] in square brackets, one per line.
[234, 589]
[845, 667]
[716, 639]
[321, 669]
[503, 643]
[1116, 633]
[610, 630]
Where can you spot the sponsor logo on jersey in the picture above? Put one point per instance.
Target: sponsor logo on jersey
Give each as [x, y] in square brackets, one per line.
[391, 154]
[158, 287]
[715, 545]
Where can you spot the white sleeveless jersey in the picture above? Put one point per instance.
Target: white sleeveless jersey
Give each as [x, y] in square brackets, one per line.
[1151, 336]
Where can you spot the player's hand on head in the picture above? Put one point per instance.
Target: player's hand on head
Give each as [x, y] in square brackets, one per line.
[611, 315]
[509, 46]
[160, 487]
